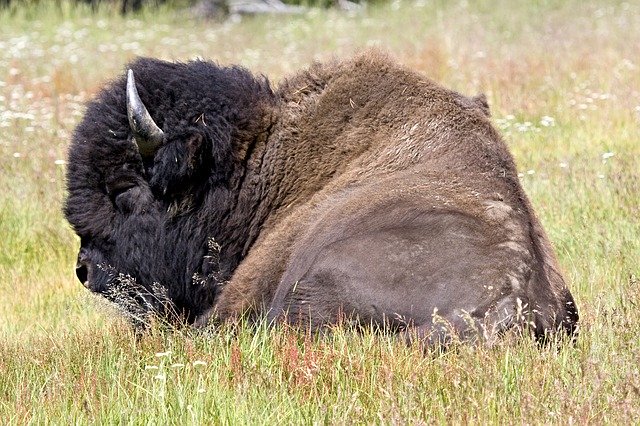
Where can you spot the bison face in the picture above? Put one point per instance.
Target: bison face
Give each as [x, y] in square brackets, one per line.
[132, 198]
[123, 260]
[139, 244]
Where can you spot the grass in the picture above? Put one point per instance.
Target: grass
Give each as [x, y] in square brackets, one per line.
[562, 80]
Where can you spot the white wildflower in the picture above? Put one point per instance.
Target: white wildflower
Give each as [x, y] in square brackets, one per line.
[547, 121]
[607, 155]
[150, 367]
[525, 127]
[163, 354]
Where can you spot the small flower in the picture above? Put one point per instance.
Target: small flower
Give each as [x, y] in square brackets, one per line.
[177, 365]
[161, 377]
[59, 162]
[563, 165]
[547, 121]
[607, 155]
[530, 172]
[163, 354]
[198, 363]
[17, 155]
[201, 390]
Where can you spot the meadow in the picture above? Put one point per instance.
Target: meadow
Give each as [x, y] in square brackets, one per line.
[563, 83]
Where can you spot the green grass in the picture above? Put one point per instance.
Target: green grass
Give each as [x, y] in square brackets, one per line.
[67, 357]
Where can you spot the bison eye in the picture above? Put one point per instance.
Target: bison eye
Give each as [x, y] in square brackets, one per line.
[117, 187]
[133, 199]
[124, 199]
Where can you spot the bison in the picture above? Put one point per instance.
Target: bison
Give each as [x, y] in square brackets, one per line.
[357, 189]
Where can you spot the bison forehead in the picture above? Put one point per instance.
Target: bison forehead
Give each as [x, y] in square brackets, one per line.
[184, 91]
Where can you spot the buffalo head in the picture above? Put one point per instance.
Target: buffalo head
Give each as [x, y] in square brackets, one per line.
[151, 173]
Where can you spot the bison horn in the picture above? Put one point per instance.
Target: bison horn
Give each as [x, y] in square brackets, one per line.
[148, 136]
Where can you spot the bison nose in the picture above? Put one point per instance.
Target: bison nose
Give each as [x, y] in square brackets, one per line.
[82, 273]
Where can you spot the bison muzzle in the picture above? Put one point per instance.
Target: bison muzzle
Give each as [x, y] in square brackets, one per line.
[357, 190]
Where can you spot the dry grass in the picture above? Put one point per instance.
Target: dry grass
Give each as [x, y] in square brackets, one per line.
[562, 79]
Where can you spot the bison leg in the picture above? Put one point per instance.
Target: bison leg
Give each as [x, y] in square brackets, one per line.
[433, 271]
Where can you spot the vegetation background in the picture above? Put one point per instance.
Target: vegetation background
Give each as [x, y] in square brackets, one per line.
[563, 82]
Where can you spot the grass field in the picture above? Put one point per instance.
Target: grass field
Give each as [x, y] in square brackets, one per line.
[563, 82]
